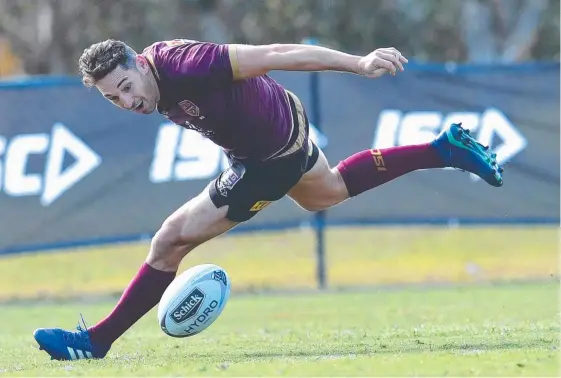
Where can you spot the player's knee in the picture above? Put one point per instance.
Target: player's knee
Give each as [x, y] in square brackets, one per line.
[319, 204]
[165, 238]
[312, 205]
[170, 244]
[329, 193]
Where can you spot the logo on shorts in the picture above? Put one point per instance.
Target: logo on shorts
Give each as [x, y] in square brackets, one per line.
[188, 307]
[227, 181]
[190, 108]
[260, 205]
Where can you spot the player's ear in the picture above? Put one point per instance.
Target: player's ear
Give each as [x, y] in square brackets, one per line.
[142, 64]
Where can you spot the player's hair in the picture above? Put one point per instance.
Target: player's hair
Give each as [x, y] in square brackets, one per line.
[101, 58]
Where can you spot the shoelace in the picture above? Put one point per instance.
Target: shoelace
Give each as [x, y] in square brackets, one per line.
[80, 339]
[79, 327]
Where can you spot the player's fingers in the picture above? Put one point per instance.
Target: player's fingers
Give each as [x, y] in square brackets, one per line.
[377, 72]
[400, 56]
[380, 72]
[393, 58]
[393, 50]
[390, 50]
[381, 62]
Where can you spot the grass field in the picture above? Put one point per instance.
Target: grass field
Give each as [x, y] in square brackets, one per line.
[467, 327]
[266, 260]
[477, 330]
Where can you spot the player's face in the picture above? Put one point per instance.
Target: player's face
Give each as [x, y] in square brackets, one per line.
[131, 89]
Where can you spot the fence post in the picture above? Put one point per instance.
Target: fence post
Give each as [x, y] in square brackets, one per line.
[319, 216]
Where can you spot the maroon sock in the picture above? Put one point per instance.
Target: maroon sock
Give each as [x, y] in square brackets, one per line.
[368, 169]
[142, 294]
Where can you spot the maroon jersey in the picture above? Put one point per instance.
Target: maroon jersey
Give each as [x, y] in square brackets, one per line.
[248, 118]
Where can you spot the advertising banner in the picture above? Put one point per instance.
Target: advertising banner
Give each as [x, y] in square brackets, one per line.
[75, 169]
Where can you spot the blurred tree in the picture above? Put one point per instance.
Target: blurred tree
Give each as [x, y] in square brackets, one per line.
[435, 30]
[501, 30]
[212, 27]
[49, 35]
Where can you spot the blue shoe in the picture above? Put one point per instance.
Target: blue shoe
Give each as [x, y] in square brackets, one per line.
[68, 345]
[460, 150]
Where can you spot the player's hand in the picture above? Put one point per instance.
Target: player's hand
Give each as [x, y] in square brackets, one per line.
[380, 62]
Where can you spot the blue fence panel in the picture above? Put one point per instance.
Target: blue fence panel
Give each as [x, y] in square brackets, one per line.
[74, 169]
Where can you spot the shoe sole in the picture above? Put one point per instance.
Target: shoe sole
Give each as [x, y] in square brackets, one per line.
[467, 142]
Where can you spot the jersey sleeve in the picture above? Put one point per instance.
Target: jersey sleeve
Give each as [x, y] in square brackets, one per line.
[202, 60]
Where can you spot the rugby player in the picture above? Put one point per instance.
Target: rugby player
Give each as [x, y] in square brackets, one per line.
[223, 91]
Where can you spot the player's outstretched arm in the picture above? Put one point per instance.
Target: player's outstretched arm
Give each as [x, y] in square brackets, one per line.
[258, 60]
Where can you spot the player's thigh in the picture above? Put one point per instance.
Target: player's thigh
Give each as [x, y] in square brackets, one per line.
[321, 187]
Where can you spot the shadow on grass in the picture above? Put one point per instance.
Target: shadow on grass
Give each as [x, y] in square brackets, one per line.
[410, 346]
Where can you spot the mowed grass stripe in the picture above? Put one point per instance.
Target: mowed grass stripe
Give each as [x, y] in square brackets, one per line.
[277, 260]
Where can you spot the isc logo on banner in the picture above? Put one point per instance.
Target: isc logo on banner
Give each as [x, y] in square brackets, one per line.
[181, 154]
[395, 128]
[16, 180]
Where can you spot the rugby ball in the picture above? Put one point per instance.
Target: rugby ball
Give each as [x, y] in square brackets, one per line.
[193, 300]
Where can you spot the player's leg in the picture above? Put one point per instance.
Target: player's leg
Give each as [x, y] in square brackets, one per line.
[324, 186]
[321, 187]
[194, 223]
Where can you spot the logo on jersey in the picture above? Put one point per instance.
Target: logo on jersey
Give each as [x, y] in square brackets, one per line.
[190, 108]
[206, 133]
